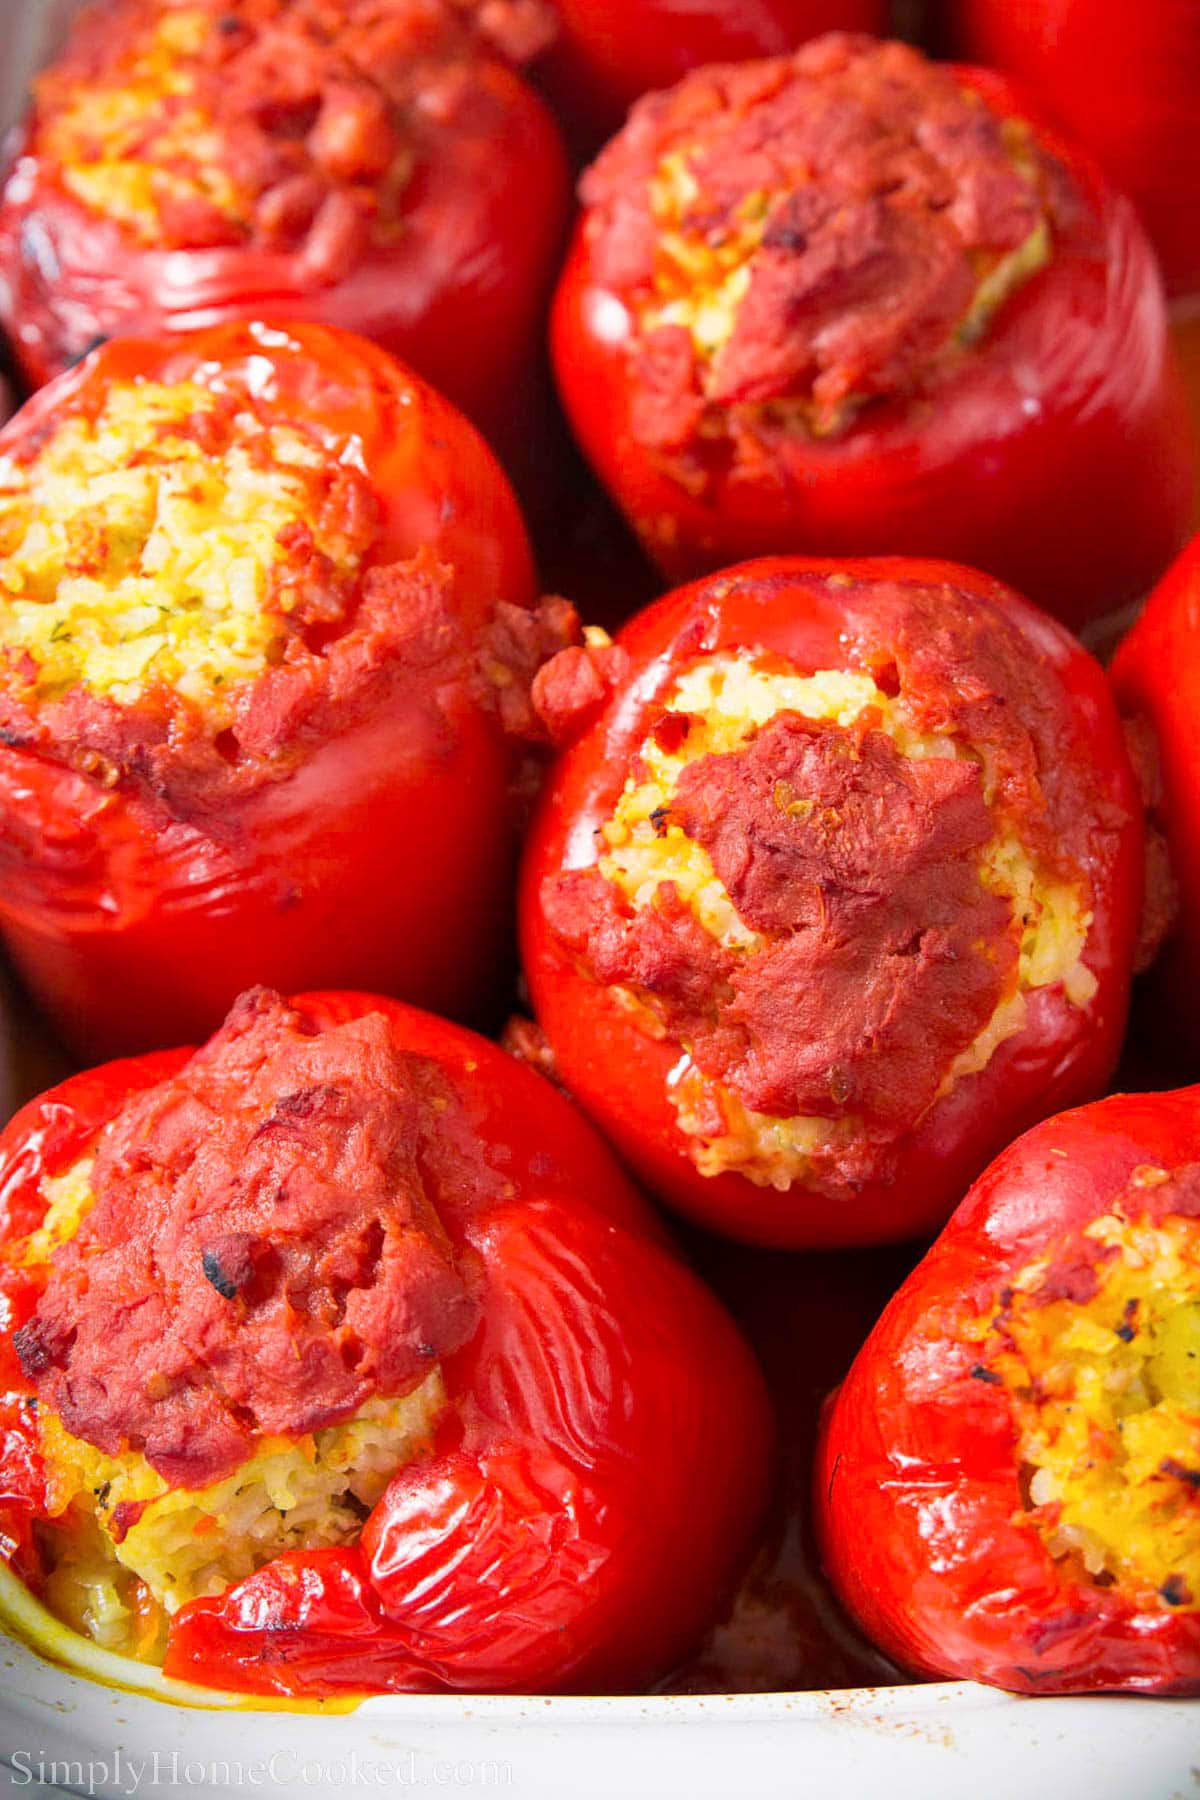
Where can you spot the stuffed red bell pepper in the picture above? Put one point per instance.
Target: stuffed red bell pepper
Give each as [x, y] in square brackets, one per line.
[1008, 1485]
[851, 302]
[342, 1357]
[1125, 81]
[266, 631]
[607, 52]
[337, 160]
[833, 893]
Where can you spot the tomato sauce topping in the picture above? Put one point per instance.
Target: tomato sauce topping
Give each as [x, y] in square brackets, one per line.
[262, 1254]
[836, 889]
[801, 236]
[274, 123]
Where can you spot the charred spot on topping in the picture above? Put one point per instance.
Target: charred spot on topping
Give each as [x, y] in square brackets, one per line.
[980, 1373]
[292, 126]
[228, 1263]
[1127, 1330]
[833, 897]
[802, 236]
[40, 1346]
[1103, 1381]
[325, 1233]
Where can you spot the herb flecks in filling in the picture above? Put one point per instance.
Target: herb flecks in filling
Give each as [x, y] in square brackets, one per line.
[176, 541]
[1098, 1351]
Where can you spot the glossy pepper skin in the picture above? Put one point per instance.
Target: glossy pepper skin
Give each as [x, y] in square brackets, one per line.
[806, 612]
[572, 1526]
[377, 852]
[1125, 81]
[1056, 455]
[460, 253]
[917, 1492]
[1156, 674]
[608, 53]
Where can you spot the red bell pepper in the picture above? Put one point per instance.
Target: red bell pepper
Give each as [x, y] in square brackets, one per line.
[384, 1195]
[1008, 1482]
[1156, 674]
[305, 773]
[607, 52]
[1125, 81]
[293, 159]
[853, 302]
[834, 889]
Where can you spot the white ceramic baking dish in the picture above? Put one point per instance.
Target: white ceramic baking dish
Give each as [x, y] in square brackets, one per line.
[64, 1733]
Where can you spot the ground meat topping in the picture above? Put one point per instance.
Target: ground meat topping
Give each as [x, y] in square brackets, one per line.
[283, 124]
[262, 1256]
[810, 233]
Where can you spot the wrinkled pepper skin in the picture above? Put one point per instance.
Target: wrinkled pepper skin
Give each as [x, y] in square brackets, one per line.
[1057, 455]
[1124, 81]
[572, 1527]
[917, 1491]
[806, 612]
[380, 858]
[70, 276]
